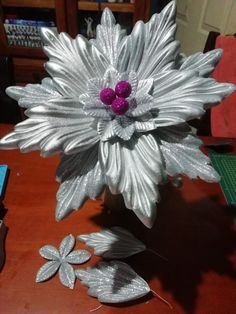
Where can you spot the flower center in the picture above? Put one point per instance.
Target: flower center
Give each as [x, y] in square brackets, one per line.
[117, 99]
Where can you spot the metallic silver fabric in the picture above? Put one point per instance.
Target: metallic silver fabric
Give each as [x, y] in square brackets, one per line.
[114, 243]
[61, 260]
[132, 153]
[113, 282]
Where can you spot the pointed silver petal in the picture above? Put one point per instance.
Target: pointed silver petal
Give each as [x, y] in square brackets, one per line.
[47, 271]
[182, 154]
[78, 257]
[123, 131]
[67, 275]
[180, 96]
[53, 129]
[66, 245]
[108, 37]
[49, 252]
[112, 243]
[204, 63]
[76, 59]
[138, 177]
[82, 178]
[151, 47]
[113, 282]
[34, 94]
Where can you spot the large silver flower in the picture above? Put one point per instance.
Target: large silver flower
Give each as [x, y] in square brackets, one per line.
[116, 109]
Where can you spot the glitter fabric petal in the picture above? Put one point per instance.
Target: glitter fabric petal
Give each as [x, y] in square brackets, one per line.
[182, 96]
[66, 245]
[193, 162]
[34, 94]
[72, 61]
[203, 63]
[81, 178]
[49, 252]
[114, 243]
[113, 282]
[67, 275]
[151, 47]
[78, 257]
[137, 182]
[47, 271]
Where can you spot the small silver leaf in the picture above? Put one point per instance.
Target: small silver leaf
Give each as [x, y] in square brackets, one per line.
[111, 243]
[78, 257]
[67, 275]
[113, 282]
[67, 245]
[47, 271]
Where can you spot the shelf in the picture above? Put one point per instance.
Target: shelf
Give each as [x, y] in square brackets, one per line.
[28, 70]
[115, 7]
[88, 6]
[119, 7]
[50, 4]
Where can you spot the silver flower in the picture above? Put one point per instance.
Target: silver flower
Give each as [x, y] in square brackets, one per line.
[116, 109]
[61, 260]
[113, 282]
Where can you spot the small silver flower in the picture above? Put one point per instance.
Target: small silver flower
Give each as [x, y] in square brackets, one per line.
[61, 260]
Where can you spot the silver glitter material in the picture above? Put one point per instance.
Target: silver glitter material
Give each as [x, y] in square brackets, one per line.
[132, 153]
[113, 282]
[61, 260]
[114, 243]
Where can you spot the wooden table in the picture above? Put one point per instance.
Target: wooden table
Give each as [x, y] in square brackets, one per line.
[194, 230]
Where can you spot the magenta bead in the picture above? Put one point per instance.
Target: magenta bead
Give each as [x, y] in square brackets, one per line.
[123, 89]
[120, 105]
[107, 96]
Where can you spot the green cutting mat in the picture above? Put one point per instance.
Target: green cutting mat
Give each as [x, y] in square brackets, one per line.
[225, 165]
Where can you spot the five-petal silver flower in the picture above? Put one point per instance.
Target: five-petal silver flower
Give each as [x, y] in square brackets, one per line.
[130, 149]
[61, 260]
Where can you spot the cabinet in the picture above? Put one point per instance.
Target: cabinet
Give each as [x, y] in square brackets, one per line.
[67, 16]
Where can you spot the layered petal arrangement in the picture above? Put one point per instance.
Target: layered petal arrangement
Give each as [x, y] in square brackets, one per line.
[116, 110]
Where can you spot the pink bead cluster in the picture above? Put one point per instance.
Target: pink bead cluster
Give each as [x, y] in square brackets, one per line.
[117, 98]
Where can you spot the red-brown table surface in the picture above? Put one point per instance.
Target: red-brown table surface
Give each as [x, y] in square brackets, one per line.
[194, 230]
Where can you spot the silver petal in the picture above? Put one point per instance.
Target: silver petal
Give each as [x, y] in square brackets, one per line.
[151, 47]
[182, 154]
[49, 252]
[138, 176]
[66, 245]
[113, 282]
[78, 257]
[97, 109]
[144, 105]
[123, 131]
[108, 37]
[144, 126]
[182, 96]
[34, 94]
[77, 60]
[204, 63]
[47, 271]
[82, 178]
[144, 87]
[53, 129]
[112, 243]
[67, 275]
